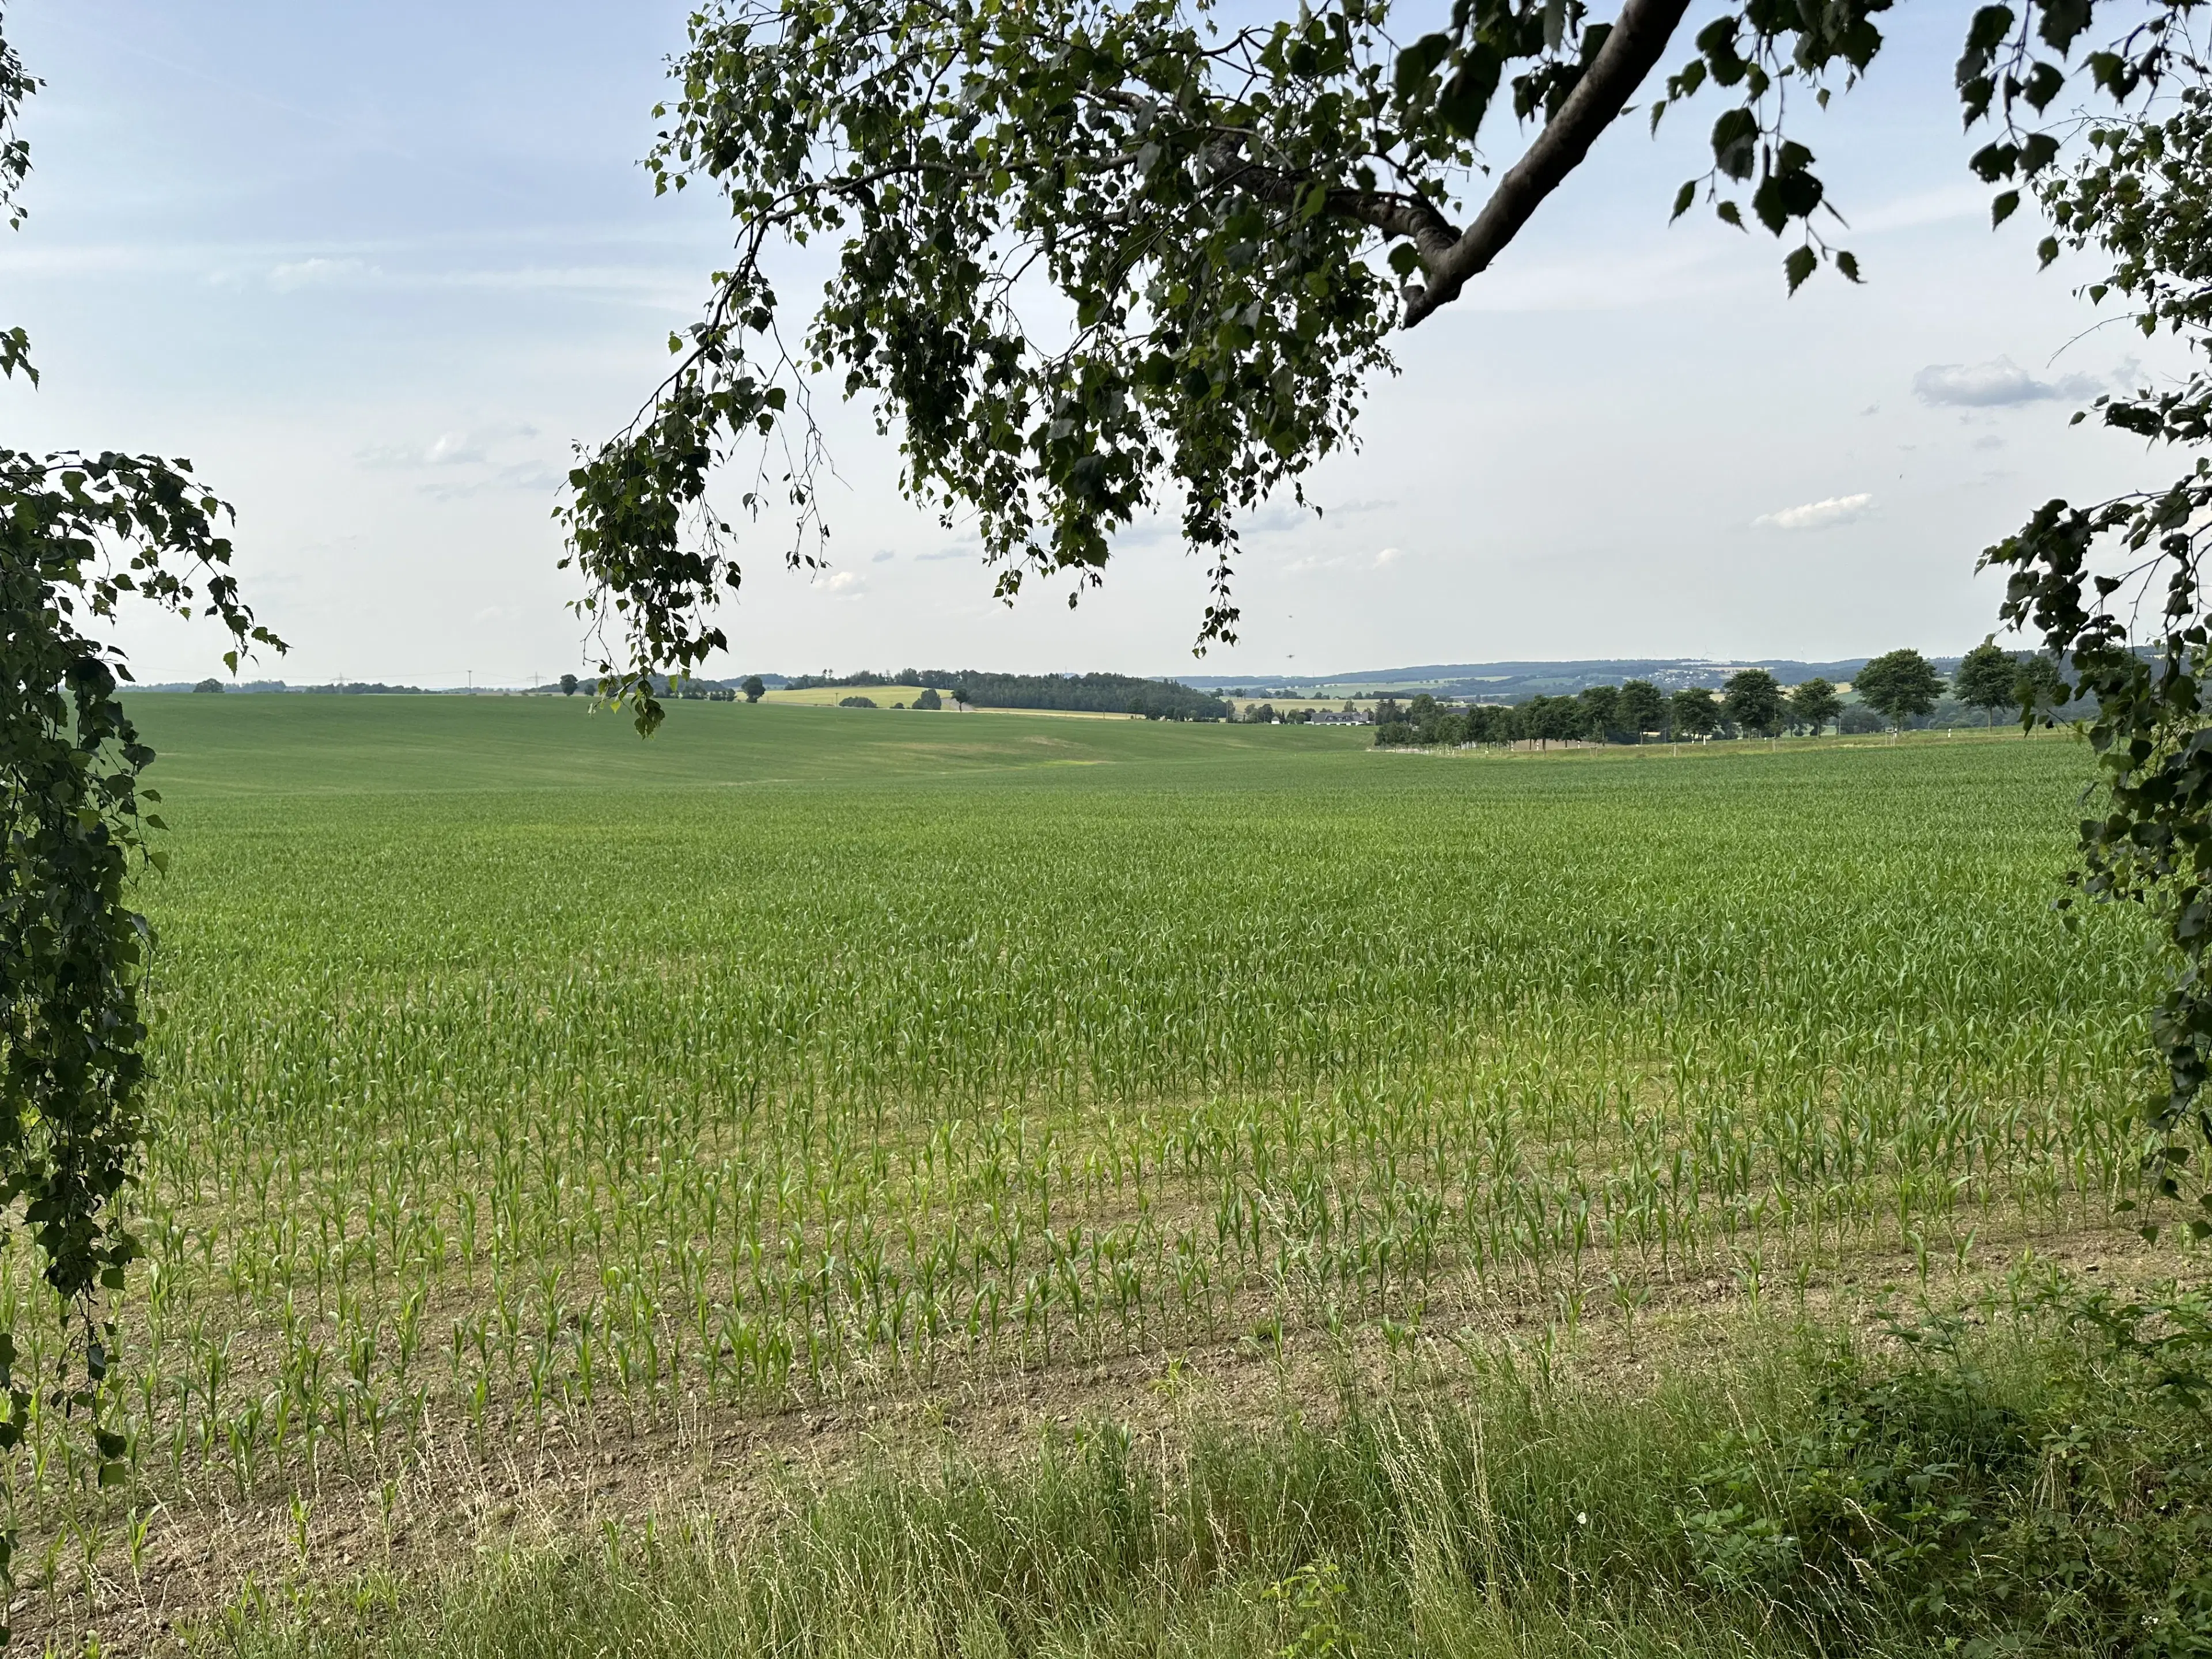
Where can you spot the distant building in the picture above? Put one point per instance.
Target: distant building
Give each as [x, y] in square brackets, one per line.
[1338, 717]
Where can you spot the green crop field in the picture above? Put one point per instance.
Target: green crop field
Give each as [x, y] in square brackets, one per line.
[542, 1110]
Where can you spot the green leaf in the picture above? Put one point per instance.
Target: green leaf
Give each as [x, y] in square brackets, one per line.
[1782, 197]
[1418, 61]
[1994, 162]
[1683, 199]
[1735, 140]
[2062, 20]
[1990, 26]
[2003, 208]
[1799, 265]
[1466, 97]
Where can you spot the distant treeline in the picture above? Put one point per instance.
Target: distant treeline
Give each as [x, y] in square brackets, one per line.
[1095, 693]
[350, 687]
[1899, 690]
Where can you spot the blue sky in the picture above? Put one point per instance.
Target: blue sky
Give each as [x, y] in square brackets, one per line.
[375, 268]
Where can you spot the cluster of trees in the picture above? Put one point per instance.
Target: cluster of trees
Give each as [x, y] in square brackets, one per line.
[1104, 693]
[1893, 689]
[684, 690]
[347, 688]
[927, 697]
[938, 677]
[1263, 713]
[1096, 694]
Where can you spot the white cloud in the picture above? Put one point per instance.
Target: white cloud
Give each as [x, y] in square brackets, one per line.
[1997, 384]
[1381, 559]
[468, 450]
[320, 273]
[452, 449]
[845, 585]
[1817, 515]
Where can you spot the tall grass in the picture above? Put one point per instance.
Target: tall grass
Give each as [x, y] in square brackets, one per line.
[1536, 1518]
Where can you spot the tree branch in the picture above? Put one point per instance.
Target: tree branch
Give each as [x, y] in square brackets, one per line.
[1394, 213]
[1639, 36]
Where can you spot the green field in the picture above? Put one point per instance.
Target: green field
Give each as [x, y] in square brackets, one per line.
[554, 1129]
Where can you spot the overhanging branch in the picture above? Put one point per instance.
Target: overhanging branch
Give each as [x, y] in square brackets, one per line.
[1630, 52]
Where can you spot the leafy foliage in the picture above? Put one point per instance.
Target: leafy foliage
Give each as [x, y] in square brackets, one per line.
[78, 535]
[2082, 1519]
[2115, 586]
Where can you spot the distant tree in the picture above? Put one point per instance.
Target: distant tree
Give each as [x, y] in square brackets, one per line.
[2038, 688]
[753, 688]
[856, 702]
[1899, 686]
[1752, 699]
[1532, 720]
[1601, 711]
[1857, 719]
[1436, 725]
[1554, 719]
[569, 683]
[1643, 707]
[1490, 722]
[1989, 679]
[1814, 703]
[209, 685]
[1393, 734]
[929, 699]
[1258, 714]
[1696, 714]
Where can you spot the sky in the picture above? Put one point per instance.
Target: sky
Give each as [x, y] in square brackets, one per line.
[376, 269]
